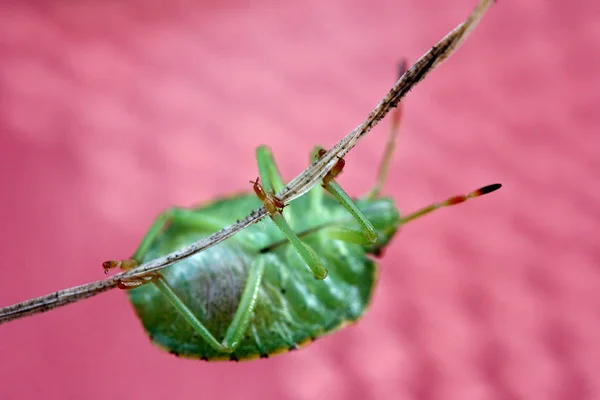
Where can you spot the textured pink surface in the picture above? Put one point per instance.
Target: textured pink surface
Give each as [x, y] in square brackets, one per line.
[112, 111]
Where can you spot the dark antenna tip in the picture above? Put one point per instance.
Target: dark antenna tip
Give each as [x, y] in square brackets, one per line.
[489, 189]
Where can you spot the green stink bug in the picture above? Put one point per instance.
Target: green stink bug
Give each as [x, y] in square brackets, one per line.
[253, 295]
[256, 294]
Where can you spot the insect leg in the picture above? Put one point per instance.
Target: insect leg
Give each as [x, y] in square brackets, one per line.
[305, 251]
[315, 194]
[242, 315]
[390, 145]
[267, 170]
[368, 233]
[163, 286]
[274, 205]
[185, 216]
[245, 309]
[270, 176]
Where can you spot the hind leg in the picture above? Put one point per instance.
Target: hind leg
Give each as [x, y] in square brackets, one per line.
[241, 318]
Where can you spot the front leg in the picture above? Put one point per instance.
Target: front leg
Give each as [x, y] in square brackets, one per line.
[180, 215]
[270, 176]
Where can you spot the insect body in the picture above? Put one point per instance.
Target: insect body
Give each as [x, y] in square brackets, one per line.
[291, 306]
[273, 286]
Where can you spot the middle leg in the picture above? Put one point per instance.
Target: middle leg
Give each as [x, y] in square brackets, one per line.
[368, 233]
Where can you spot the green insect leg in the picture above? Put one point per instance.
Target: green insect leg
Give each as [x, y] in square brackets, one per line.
[267, 169]
[368, 230]
[185, 216]
[305, 251]
[271, 179]
[368, 233]
[270, 176]
[242, 315]
[315, 194]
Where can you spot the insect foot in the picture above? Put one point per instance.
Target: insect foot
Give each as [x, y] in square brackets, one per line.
[272, 203]
[124, 264]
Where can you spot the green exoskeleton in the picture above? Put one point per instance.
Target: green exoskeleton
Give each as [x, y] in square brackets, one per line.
[273, 286]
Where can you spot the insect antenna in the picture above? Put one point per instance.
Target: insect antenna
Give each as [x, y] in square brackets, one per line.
[450, 202]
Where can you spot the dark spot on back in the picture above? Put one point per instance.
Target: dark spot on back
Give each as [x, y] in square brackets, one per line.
[234, 358]
[264, 355]
[176, 354]
[282, 291]
[204, 358]
[293, 347]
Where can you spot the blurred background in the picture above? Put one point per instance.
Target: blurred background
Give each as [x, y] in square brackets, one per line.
[111, 111]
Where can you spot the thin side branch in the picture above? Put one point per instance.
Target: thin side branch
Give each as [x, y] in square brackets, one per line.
[295, 188]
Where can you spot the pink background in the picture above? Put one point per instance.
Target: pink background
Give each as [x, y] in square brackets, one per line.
[112, 111]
